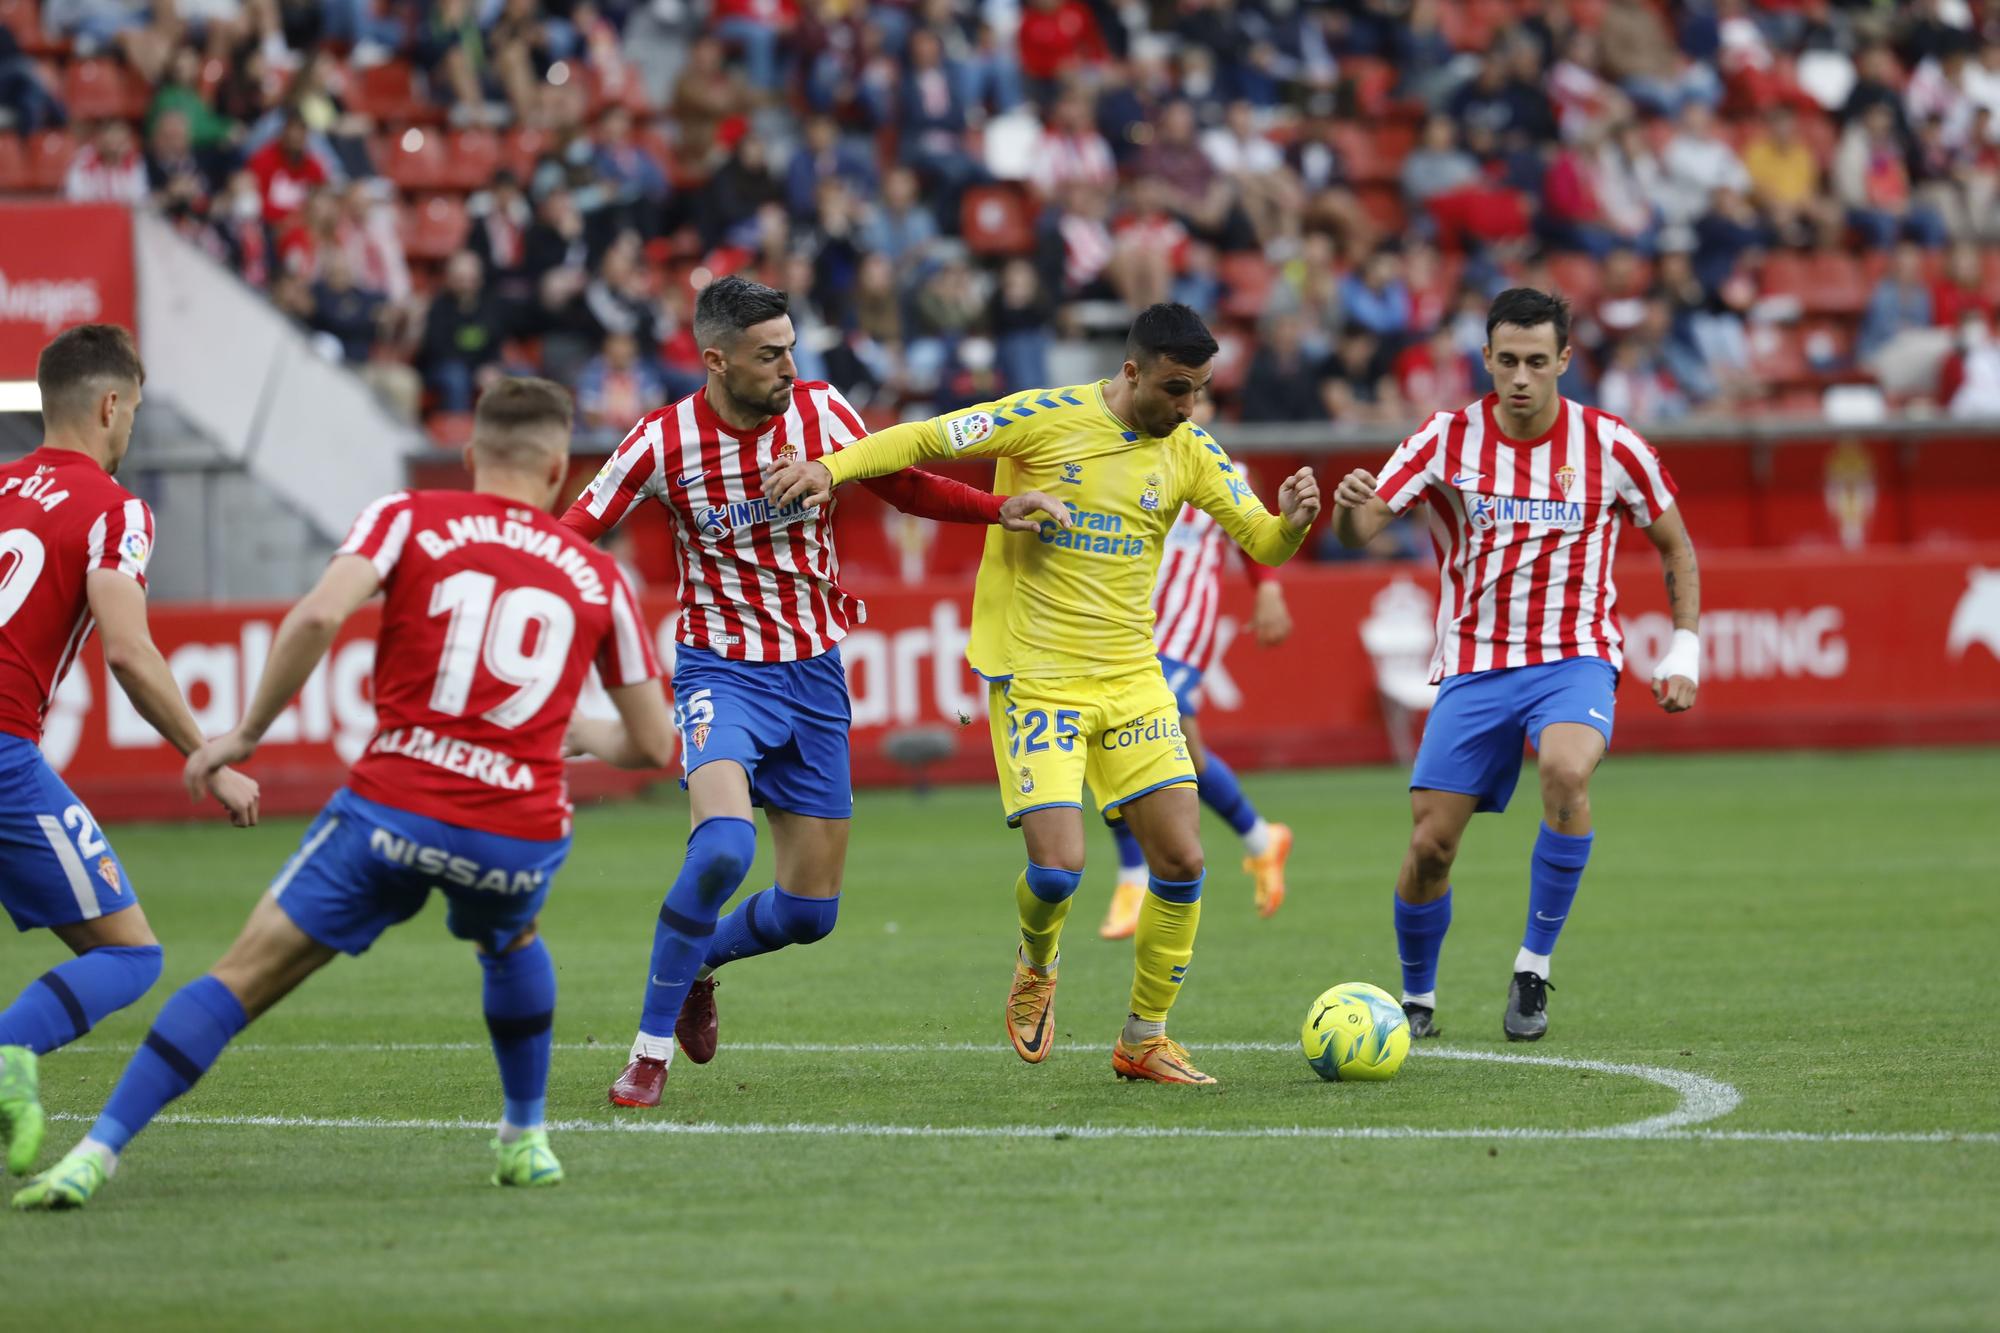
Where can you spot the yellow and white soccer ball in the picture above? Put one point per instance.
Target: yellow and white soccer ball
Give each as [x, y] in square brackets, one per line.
[1355, 1031]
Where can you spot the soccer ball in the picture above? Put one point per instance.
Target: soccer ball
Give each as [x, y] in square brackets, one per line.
[1355, 1031]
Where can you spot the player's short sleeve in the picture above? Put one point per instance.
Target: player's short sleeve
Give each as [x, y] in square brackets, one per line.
[842, 424]
[1644, 488]
[626, 656]
[380, 533]
[122, 539]
[1416, 465]
[636, 469]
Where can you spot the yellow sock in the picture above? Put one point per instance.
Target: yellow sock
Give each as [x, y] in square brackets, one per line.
[1041, 918]
[1165, 944]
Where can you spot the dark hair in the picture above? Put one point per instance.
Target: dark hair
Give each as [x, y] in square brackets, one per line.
[1524, 307]
[730, 305]
[77, 364]
[1170, 330]
[504, 418]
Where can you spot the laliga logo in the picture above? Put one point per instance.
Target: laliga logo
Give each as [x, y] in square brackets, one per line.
[1977, 619]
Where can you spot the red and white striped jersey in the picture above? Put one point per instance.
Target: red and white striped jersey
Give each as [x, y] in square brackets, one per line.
[1189, 590]
[1526, 532]
[494, 615]
[61, 516]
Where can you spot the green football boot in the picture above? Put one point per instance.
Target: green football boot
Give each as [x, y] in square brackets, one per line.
[527, 1161]
[70, 1183]
[20, 1108]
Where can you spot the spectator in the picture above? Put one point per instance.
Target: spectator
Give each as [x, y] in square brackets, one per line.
[1376, 300]
[303, 246]
[620, 298]
[1640, 55]
[1280, 384]
[1201, 195]
[1878, 81]
[1054, 37]
[176, 178]
[708, 96]
[23, 94]
[287, 171]
[1019, 318]
[1352, 384]
[1785, 180]
[1961, 289]
[1583, 100]
[1268, 191]
[344, 311]
[1636, 385]
[932, 124]
[825, 155]
[1729, 231]
[240, 228]
[1698, 161]
[1938, 91]
[1149, 246]
[761, 30]
[617, 387]
[636, 187]
[726, 209]
[557, 239]
[1437, 165]
[371, 238]
[988, 70]
[462, 334]
[1982, 88]
[1975, 392]
[107, 170]
[453, 51]
[1573, 214]
[1434, 373]
[1071, 149]
[501, 219]
[1873, 179]
[900, 226]
[1899, 342]
[947, 308]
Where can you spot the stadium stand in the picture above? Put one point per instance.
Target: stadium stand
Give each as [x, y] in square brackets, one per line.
[1748, 203]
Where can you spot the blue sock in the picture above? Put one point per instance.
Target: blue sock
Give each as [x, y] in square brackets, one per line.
[1223, 794]
[1420, 932]
[769, 920]
[69, 1000]
[520, 995]
[719, 853]
[1552, 881]
[1129, 855]
[195, 1023]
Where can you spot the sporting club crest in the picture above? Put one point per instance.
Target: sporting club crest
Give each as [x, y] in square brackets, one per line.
[1565, 479]
[107, 870]
[699, 736]
[786, 453]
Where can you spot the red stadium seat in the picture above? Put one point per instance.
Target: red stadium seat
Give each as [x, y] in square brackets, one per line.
[474, 157]
[389, 93]
[1836, 284]
[523, 149]
[14, 177]
[1575, 276]
[24, 19]
[997, 220]
[103, 90]
[1374, 82]
[435, 227]
[1247, 279]
[1784, 274]
[450, 430]
[1373, 154]
[416, 159]
[48, 160]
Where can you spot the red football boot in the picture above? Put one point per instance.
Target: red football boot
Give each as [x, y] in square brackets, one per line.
[696, 1028]
[641, 1084]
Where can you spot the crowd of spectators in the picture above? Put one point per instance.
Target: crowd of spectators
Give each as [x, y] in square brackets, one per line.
[947, 187]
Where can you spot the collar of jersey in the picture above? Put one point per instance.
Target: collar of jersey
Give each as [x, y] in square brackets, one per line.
[1487, 405]
[1115, 419]
[707, 416]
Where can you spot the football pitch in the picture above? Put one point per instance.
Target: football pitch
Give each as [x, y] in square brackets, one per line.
[1770, 1096]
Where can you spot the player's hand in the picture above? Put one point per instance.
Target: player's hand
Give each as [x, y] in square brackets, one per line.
[1017, 512]
[1674, 693]
[806, 480]
[239, 794]
[1356, 489]
[1271, 622]
[1298, 498]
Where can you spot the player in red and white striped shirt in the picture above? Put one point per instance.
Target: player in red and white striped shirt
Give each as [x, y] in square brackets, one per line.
[1526, 493]
[761, 696]
[1186, 599]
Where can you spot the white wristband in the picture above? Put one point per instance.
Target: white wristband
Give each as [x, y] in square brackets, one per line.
[1682, 659]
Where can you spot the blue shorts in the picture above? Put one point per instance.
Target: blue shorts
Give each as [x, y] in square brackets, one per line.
[1185, 682]
[364, 867]
[56, 868]
[1473, 739]
[784, 722]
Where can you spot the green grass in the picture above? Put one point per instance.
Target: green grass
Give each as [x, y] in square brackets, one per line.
[1813, 930]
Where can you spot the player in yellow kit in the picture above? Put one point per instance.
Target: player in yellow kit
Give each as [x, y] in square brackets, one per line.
[1062, 631]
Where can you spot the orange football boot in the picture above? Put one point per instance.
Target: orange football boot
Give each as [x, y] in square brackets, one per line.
[1267, 872]
[1031, 1012]
[1158, 1059]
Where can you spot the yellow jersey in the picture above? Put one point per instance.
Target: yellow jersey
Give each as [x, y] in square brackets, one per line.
[1079, 601]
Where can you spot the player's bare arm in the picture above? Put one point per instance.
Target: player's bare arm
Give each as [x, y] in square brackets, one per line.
[642, 736]
[303, 637]
[1359, 514]
[119, 605]
[1270, 618]
[1677, 676]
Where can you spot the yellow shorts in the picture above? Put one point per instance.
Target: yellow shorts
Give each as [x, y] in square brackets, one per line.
[1121, 733]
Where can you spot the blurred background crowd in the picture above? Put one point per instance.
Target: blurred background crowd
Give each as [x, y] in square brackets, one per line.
[1751, 205]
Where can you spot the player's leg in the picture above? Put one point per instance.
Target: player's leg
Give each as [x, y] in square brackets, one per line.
[269, 959]
[1167, 822]
[518, 994]
[1266, 846]
[1570, 718]
[1053, 836]
[719, 853]
[1469, 761]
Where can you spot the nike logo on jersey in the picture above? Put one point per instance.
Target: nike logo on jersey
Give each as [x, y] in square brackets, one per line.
[1600, 717]
[687, 479]
[1466, 479]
